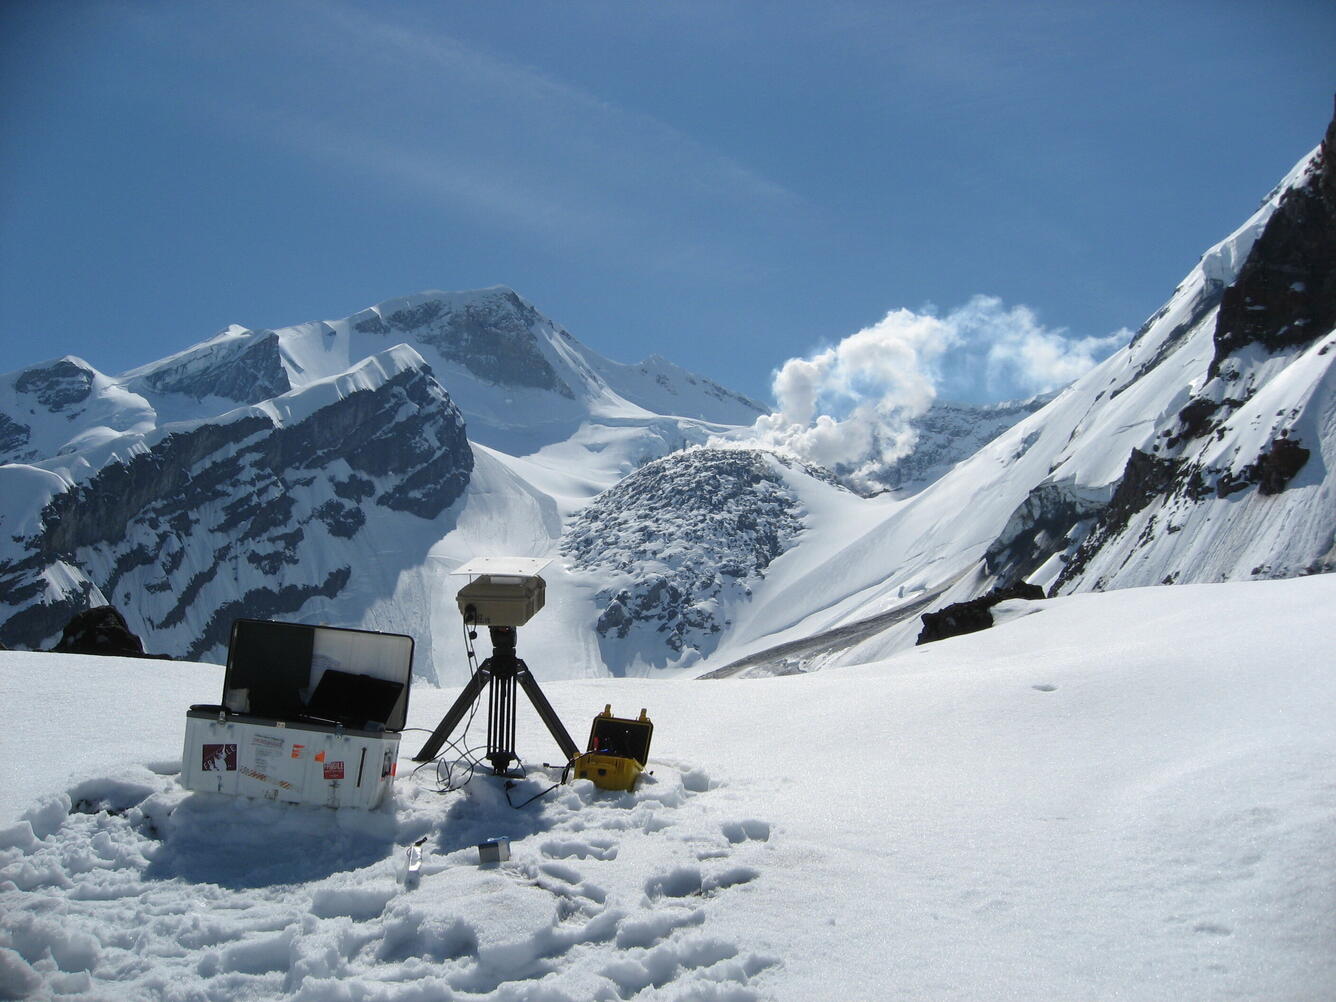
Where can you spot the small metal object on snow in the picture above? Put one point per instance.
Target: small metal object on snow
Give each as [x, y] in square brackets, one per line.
[413, 863]
[495, 850]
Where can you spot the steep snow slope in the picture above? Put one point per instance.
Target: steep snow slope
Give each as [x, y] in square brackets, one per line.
[949, 433]
[1194, 454]
[1122, 796]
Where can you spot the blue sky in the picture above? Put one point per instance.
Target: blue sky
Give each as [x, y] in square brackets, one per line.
[730, 185]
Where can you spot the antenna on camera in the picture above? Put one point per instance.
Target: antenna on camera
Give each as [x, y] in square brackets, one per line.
[505, 594]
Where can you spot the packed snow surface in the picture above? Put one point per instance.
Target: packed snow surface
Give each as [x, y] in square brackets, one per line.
[1108, 796]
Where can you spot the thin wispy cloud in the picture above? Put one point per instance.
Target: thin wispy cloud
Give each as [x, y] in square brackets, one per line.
[474, 134]
[560, 111]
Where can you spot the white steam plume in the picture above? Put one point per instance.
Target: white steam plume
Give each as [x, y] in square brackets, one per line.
[851, 407]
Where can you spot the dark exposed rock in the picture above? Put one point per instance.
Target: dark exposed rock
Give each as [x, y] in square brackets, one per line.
[1285, 293]
[1145, 478]
[102, 630]
[354, 489]
[1271, 471]
[1194, 420]
[492, 338]
[1276, 467]
[342, 520]
[272, 562]
[1041, 526]
[372, 324]
[14, 436]
[39, 618]
[249, 375]
[688, 531]
[57, 386]
[972, 616]
[99, 510]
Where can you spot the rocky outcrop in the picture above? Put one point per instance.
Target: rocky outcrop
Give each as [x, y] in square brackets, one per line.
[1146, 479]
[14, 439]
[1276, 467]
[237, 518]
[1049, 521]
[59, 386]
[103, 631]
[970, 617]
[1285, 294]
[491, 337]
[247, 372]
[1271, 471]
[680, 541]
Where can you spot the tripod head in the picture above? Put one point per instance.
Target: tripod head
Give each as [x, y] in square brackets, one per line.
[503, 640]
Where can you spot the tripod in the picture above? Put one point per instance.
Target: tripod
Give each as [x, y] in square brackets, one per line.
[498, 674]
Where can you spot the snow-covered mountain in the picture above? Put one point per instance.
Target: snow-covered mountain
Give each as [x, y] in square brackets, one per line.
[262, 508]
[1201, 452]
[679, 545]
[520, 380]
[321, 470]
[339, 471]
[949, 433]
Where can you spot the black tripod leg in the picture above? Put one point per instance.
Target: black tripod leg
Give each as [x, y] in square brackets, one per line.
[549, 715]
[455, 714]
[501, 723]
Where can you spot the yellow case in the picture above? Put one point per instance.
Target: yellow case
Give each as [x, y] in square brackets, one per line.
[618, 750]
[608, 772]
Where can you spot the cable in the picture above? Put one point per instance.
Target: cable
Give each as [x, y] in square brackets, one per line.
[445, 773]
[565, 772]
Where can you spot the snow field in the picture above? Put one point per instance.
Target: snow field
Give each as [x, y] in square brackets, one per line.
[148, 892]
[1115, 796]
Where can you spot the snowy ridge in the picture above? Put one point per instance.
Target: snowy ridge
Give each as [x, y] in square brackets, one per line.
[521, 380]
[64, 406]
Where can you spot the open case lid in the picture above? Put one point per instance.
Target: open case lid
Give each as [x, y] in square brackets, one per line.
[621, 736]
[293, 671]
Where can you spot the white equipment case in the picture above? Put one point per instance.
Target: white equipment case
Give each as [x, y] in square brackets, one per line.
[310, 715]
